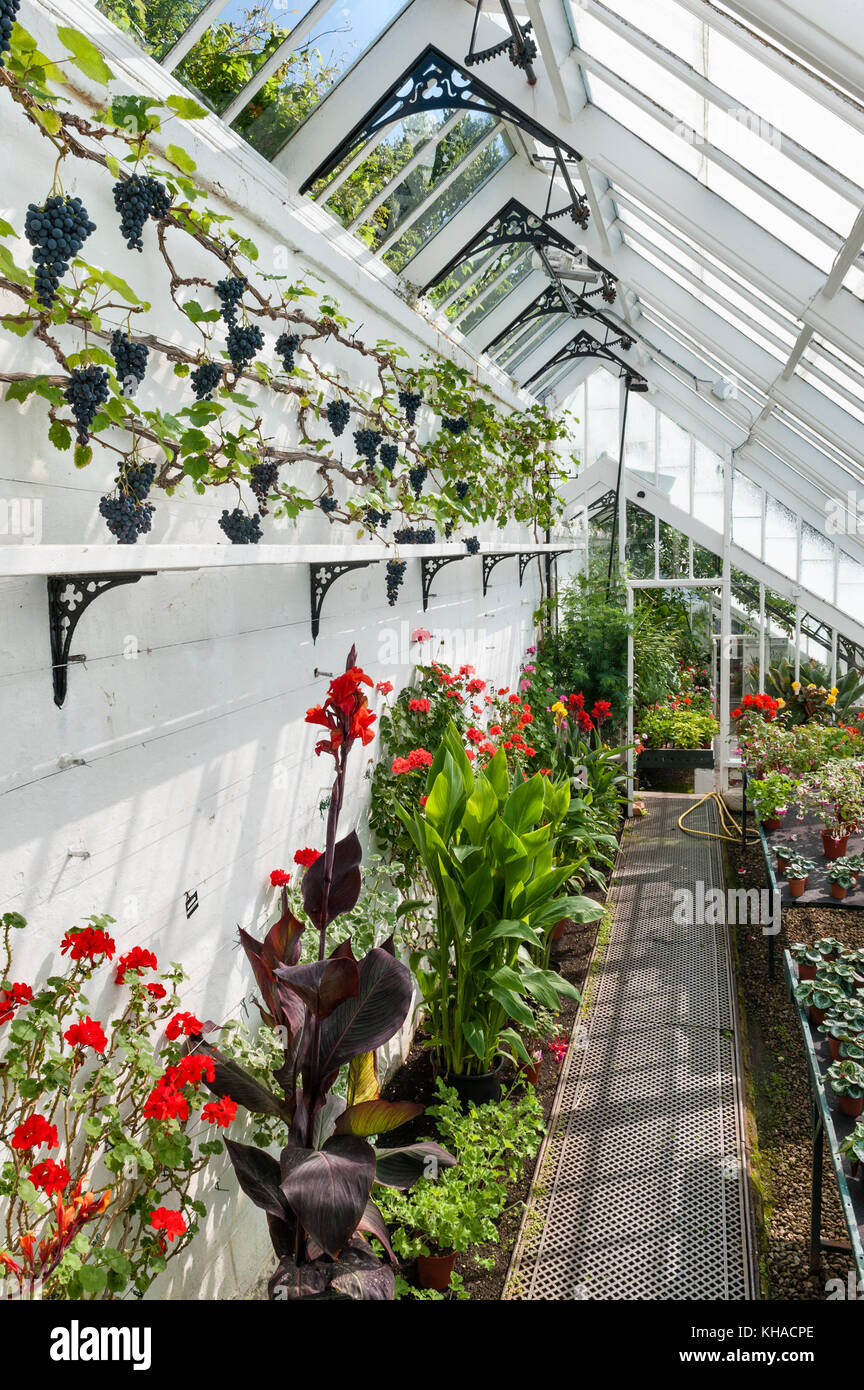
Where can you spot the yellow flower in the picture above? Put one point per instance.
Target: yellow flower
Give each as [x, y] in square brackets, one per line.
[835, 691]
[830, 699]
[781, 704]
[811, 686]
[796, 686]
[560, 712]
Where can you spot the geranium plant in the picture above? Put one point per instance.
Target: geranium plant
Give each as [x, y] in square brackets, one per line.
[331, 1013]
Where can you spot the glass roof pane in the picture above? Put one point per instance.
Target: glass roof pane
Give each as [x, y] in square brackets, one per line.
[337, 41]
[499, 291]
[233, 47]
[746, 513]
[781, 536]
[156, 27]
[817, 562]
[516, 352]
[448, 203]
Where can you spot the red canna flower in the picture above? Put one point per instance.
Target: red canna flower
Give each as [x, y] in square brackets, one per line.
[423, 801]
[220, 1112]
[603, 710]
[88, 943]
[345, 713]
[306, 857]
[171, 1222]
[279, 878]
[183, 1023]
[87, 1033]
[33, 1132]
[137, 959]
[51, 1177]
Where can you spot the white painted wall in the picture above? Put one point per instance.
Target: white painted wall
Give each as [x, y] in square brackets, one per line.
[192, 766]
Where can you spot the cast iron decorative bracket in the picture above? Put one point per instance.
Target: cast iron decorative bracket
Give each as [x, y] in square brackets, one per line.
[321, 580]
[434, 82]
[521, 49]
[516, 224]
[583, 345]
[429, 569]
[524, 561]
[69, 596]
[489, 563]
[551, 303]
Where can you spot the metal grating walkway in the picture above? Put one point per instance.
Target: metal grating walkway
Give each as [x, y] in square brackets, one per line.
[641, 1189]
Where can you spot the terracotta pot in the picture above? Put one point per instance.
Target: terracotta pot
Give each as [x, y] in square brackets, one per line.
[531, 1075]
[834, 849]
[798, 886]
[772, 823]
[838, 891]
[855, 1165]
[559, 929]
[435, 1271]
[782, 861]
[850, 1107]
[816, 1016]
[807, 972]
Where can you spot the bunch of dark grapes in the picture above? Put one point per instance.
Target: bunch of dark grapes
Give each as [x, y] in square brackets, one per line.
[205, 378]
[129, 515]
[411, 535]
[473, 545]
[410, 403]
[366, 443]
[125, 518]
[462, 490]
[374, 518]
[87, 390]
[244, 340]
[338, 415]
[456, 424]
[57, 230]
[240, 528]
[417, 476]
[263, 477]
[328, 504]
[136, 199]
[8, 11]
[286, 346]
[130, 361]
[395, 575]
[389, 456]
[230, 293]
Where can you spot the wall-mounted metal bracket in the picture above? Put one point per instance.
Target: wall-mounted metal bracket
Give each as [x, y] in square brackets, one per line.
[69, 596]
[321, 580]
[429, 569]
[489, 563]
[524, 561]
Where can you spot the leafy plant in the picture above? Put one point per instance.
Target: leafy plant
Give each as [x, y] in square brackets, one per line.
[847, 1078]
[771, 796]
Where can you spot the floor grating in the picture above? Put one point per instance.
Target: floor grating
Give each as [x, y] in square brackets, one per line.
[641, 1189]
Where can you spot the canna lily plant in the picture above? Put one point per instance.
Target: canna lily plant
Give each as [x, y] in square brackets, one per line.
[490, 852]
[332, 1014]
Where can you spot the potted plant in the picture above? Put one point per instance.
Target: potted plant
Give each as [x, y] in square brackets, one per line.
[829, 948]
[818, 997]
[847, 1083]
[856, 865]
[546, 1030]
[836, 1031]
[852, 1148]
[784, 852]
[489, 849]
[440, 1220]
[841, 880]
[798, 871]
[807, 958]
[770, 797]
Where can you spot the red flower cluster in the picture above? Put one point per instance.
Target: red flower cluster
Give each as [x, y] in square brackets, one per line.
[183, 1023]
[418, 757]
[88, 943]
[12, 999]
[158, 991]
[762, 704]
[475, 687]
[345, 713]
[165, 1102]
[87, 1033]
[279, 878]
[306, 857]
[191, 1070]
[220, 1112]
[51, 1177]
[138, 960]
[602, 711]
[384, 687]
[35, 1131]
[419, 706]
[171, 1222]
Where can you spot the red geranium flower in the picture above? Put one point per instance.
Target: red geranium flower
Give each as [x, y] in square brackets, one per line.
[183, 1023]
[495, 730]
[87, 1033]
[220, 1112]
[88, 942]
[12, 999]
[158, 991]
[419, 706]
[35, 1131]
[165, 1102]
[171, 1222]
[191, 1070]
[306, 857]
[49, 1176]
[474, 687]
[137, 959]
[513, 700]
[279, 878]
[384, 687]
[418, 757]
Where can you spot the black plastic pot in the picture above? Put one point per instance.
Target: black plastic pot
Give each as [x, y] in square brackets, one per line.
[477, 1090]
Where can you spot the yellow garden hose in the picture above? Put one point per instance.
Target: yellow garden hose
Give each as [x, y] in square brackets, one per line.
[731, 830]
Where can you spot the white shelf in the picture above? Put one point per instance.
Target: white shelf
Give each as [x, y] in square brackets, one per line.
[45, 560]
